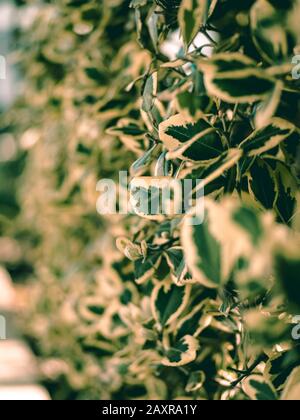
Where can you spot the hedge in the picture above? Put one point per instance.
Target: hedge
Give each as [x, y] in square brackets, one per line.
[124, 306]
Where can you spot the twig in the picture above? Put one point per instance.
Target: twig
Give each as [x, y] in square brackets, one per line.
[248, 372]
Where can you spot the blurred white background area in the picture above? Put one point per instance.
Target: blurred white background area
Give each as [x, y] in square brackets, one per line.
[173, 46]
[18, 366]
[7, 83]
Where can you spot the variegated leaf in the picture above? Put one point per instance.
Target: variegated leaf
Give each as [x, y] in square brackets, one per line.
[182, 353]
[235, 78]
[156, 198]
[142, 164]
[286, 189]
[291, 147]
[126, 127]
[150, 92]
[91, 308]
[223, 63]
[144, 269]
[268, 32]
[258, 389]
[191, 140]
[196, 381]
[195, 322]
[280, 366]
[291, 390]
[287, 265]
[218, 168]
[267, 138]
[213, 248]
[176, 261]
[267, 109]
[194, 106]
[192, 15]
[262, 183]
[168, 301]
[129, 249]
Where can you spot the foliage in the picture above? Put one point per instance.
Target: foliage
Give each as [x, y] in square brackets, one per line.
[183, 311]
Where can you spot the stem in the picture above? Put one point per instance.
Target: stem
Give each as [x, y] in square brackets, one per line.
[258, 361]
[204, 31]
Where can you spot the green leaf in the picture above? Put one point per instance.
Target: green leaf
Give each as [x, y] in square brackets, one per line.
[244, 87]
[196, 381]
[168, 301]
[182, 275]
[195, 322]
[230, 232]
[130, 132]
[280, 366]
[287, 188]
[291, 390]
[190, 140]
[96, 75]
[176, 261]
[193, 105]
[258, 389]
[230, 62]
[217, 169]
[266, 331]
[144, 270]
[138, 3]
[182, 353]
[262, 184]
[143, 163]
[291, 147]
[203, 252]
[156, 198]
[131, 250]
[98, 348]
[150, 92]
[193, 14]
[126, 127]
[152, 23]
[287, 266]
[91, 308]
[163, 166]
[267, 109]
[250, 221]
[170, 11]
[267, 138]
[268, 32]
[235, 78]
[174, 257]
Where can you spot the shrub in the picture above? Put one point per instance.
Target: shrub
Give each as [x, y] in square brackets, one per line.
[183, 311]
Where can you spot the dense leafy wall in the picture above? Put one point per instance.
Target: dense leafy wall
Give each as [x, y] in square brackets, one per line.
[182, 311]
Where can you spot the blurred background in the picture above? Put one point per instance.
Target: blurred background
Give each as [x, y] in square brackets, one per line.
[18, 368]
[53, 112]
[17, 364]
